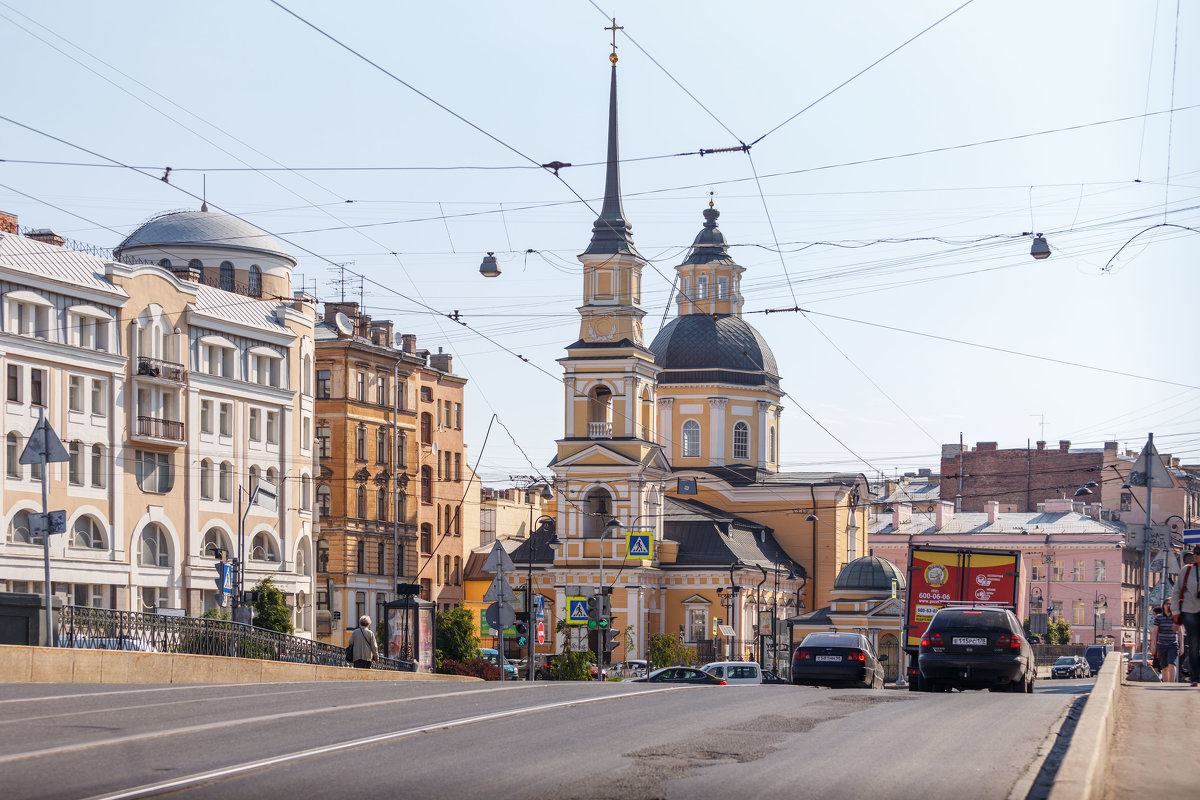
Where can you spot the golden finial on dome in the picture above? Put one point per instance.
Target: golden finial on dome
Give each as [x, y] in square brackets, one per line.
[615, 27]
[710, 199]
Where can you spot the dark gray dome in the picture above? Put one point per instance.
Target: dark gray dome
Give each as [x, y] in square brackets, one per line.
[869, 573]
[203, 229]
[709, 244]
[709, 348]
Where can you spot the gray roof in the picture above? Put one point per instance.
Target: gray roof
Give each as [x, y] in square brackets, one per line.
[708, 536]
[741, 475]
[223, 305]
[203, 229]
[709, 246]
[709, 348]
[914, 492]
[1006, 522]
[55, 263]
[869, 573]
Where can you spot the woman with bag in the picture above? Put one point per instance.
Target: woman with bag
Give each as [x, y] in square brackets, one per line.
[1186, 605]
[362, 644]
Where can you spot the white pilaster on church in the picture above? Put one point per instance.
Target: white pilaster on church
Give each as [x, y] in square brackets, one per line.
[570, 384]
[716, 433]
[764, 428]
[630, 405]
[666, 428]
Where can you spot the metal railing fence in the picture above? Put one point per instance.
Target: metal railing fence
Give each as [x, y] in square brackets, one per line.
[108, 629]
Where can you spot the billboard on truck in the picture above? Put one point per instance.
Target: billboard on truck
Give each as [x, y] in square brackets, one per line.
[939, 577]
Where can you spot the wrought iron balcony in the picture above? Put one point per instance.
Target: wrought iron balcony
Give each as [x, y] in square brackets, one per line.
[599, 430]
[168, 429]
[157, 368]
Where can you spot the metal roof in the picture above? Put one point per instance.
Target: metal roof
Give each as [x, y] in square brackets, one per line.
[1006, 522]
[705, 348]
[869, 573]
[203, 229]
[238, 309]
[69, 267]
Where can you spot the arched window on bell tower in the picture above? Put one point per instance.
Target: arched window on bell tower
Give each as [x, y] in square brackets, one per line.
[598, 504]
[600, 413]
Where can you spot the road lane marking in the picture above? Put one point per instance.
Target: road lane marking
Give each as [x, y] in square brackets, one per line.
[116, 709]
[208, 726]
[124, 691]
[264, 763]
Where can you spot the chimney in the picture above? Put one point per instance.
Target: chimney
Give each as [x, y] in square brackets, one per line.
[442, 362]
[945, 513]
[8, 223]
[381, 333]
[1064, 445]
[362, 327]
[987, 447]
[347, 308]
[993, 511]
[901, 514]
[1057, 505]
[46, 236]
[1041, 446]
[1110, 447]
[408, 342]
[924, 472]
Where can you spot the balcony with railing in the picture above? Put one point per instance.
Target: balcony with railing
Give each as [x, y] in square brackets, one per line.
[157, 368]
[167, 430]
[599, 430]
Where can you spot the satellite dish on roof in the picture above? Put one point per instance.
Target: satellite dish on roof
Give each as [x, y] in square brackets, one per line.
[343, 324]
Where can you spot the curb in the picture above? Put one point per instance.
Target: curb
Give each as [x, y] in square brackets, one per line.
[1081, 774]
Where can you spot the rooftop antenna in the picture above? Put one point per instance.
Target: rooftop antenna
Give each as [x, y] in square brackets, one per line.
[204, 193]
[1042, 417]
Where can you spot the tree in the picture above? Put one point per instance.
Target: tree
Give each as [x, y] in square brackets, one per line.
[216, 613]
[571, 665]
[457, 638]
[1058, 632]
[270, 609]
[663, 649]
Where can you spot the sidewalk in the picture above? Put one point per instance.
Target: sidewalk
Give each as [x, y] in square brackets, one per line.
[1157, 742]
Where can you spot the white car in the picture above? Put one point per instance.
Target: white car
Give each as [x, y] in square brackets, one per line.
[735, 673]
[631, 669]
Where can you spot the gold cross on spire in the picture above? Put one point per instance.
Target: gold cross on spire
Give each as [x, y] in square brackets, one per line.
[615, 27]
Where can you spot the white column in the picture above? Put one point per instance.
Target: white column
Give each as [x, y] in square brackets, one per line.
[763, 432]
[666, 432]
[630, 406]
[570, 389]
[716, 430]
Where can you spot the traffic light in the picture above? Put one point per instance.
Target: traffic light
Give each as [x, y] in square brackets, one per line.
[612, 639]
[522, 632]
[595, 614]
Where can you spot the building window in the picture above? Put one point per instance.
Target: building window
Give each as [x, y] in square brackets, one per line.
[206, 479]
[697, 624]
[323, 384]
[1126, 501]
[306, 434]
[1076, 612]
[426, 394]
[1057, 572]
[1077, 570]
[226, 482]
[381, 393]
[154, 551]
[37, 378]
[701, 287]
[691, 439]
[305, 493]
[98, 470]
[360, 609]
[771, 446]
[360, 557]
[262, 548]
[426, 428]
[360, 443]
[722, 287]
[1101, 570]
[99, 406]
[381, 439]
[155, 471]
[361, 498]
[426, 538]
[447, 415]
[272, 427]
[458, 467]
[227, 276]
[741, 441]
[458, 416]
[324, 498]
[254, 289]
[458, 571]
[13, 393]
[323, 432]
[252, 480]
[1037, 572]
[254, 425]
[206, 416]
[360, 392]
[445, 569]
[266, 370]
[225, 419]
[19, 531]
[380, 559]
[75, 463]
[426, 485]
[87, 533]
[381, 503]
[75, 393]
[12, 456]
[426, 589]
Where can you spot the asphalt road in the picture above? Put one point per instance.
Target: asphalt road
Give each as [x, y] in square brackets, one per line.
[519, 740]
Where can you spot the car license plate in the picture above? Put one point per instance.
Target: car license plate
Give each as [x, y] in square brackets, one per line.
[829, 658]
[969, 641]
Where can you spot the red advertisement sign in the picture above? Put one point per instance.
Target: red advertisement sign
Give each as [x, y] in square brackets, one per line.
[939, 578]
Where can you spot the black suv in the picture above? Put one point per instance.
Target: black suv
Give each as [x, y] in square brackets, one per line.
[975, 648]
[1095, 655]
[543, 666]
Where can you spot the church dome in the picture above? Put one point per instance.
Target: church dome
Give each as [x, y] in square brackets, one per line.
[869, 573]
[203, 229]
[707, 348]
[709, 245]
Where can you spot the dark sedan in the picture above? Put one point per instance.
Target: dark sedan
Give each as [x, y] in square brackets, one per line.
[975, 648]
[837, 659]
[680, 675]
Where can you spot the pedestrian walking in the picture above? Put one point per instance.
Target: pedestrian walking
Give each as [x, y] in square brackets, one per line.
[1187, 609]
[365, 650]
[1166, 644]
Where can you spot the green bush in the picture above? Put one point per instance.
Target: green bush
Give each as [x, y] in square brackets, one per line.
[475, 668]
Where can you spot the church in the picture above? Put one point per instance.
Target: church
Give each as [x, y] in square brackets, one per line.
[680, 440]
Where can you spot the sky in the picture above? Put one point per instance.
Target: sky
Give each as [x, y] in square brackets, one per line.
[900, 155]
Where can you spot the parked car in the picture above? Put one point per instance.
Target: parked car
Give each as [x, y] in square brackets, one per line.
[681, 675]
[635, 668]
[735, 673]
[771, 678]
[510, 670]
[834, 659]
[543, 666]
[1095, 655]
[1070, 667]
[975, 648]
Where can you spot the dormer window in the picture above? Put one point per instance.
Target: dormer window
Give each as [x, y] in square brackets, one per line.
[89, 327]
[28, 314]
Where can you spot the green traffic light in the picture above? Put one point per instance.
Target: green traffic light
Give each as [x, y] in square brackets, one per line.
[591, 624]
[603, 623]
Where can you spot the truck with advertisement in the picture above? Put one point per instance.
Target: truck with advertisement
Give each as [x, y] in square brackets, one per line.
[954, 576]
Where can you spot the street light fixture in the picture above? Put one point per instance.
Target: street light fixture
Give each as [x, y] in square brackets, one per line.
[489, 268]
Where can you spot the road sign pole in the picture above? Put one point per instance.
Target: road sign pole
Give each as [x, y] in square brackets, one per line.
[1146, 564]
[46, 528]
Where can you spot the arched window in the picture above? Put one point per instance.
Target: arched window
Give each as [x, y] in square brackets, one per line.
[98, 466]
[262, 548]
[273, 482]
[449, 511]
[741, 441]
[771, 446]
[215, 539]
[360, 556]
[324, 498]
[426, 428]
[305, 493]
[206, 479]
[18, 529]
[306, 377]
[426, 537]
[254, 288]
[227, 276]
[691, 439]
[381, 503]
[361, 504]
[196, 264]
[427, 485]
[86, 532]
[380, 562]
[458, 571]
[381, 442]
[252, 483]
[322, 555]
[154, 551]
[165, 263]
[226, 482]
[445, 569]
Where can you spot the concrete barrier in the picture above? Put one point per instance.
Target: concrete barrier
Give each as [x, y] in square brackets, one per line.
[21, 664]
[1081, 774]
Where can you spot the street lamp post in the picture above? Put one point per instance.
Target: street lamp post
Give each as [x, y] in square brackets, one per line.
[610, 527]
[546, 495]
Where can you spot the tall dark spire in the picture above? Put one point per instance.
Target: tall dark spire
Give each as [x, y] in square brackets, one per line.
[611, 233]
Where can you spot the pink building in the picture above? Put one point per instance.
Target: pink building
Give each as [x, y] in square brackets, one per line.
[1073, 566]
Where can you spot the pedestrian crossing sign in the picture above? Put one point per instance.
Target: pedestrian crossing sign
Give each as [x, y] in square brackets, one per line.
[639, 544]
[577, 611]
